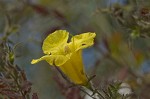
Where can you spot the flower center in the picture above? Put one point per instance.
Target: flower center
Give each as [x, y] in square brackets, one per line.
[67, 49]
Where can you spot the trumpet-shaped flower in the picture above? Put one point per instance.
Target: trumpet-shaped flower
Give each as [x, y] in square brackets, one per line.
[67, 55]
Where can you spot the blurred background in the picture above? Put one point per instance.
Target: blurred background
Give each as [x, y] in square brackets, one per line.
[121, 51]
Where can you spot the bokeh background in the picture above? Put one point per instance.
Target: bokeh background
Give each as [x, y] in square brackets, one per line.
[121, 51]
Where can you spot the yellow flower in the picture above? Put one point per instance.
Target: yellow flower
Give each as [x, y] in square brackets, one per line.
[67, 56]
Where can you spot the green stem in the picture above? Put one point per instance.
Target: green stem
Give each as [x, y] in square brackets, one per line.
[94, 90]
[87, 93]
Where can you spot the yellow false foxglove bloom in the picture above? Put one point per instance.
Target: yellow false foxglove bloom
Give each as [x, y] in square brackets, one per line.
[67, 56]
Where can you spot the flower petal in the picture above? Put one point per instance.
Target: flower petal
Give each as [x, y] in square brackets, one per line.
[83, 40]
[34, 61]
[54, 40]
[56, 60]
